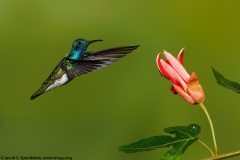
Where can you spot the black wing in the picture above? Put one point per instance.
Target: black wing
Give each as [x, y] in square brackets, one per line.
[98, 59]
[113, 53]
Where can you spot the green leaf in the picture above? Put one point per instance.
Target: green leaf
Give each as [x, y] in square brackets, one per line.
[184, 137]
[222, 81]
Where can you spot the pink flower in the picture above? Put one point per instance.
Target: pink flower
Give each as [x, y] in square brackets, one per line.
[187, 86]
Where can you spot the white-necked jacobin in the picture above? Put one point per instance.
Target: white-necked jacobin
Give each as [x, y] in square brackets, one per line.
[79, 62]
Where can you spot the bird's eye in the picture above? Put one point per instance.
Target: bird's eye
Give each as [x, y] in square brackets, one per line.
[79, 43]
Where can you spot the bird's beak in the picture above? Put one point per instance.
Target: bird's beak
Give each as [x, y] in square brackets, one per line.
[92, 41]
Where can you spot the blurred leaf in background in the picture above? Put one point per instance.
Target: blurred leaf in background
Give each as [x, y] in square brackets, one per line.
[222, 81]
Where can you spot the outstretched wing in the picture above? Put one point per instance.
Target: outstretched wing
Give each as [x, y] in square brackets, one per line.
[112, 53]
[97, 60]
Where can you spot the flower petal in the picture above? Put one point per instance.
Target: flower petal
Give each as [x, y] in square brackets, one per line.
[173, 90]
[160, 67]
[180, 56]
[183, 94]
[177, 66]
[194, 89]
[173, 75]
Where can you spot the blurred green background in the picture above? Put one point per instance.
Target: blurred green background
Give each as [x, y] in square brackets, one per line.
[127, 101]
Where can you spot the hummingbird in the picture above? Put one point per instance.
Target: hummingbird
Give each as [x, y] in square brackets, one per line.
[79, 62]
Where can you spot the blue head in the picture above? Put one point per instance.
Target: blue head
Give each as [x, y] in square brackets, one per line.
[79, 48]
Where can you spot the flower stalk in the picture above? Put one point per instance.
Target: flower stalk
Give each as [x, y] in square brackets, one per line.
[206, 146]
[224, 156]
[211, 126]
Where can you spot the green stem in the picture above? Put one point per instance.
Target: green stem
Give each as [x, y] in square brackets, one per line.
[224, 156]
[211, 126]
[206, 146]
